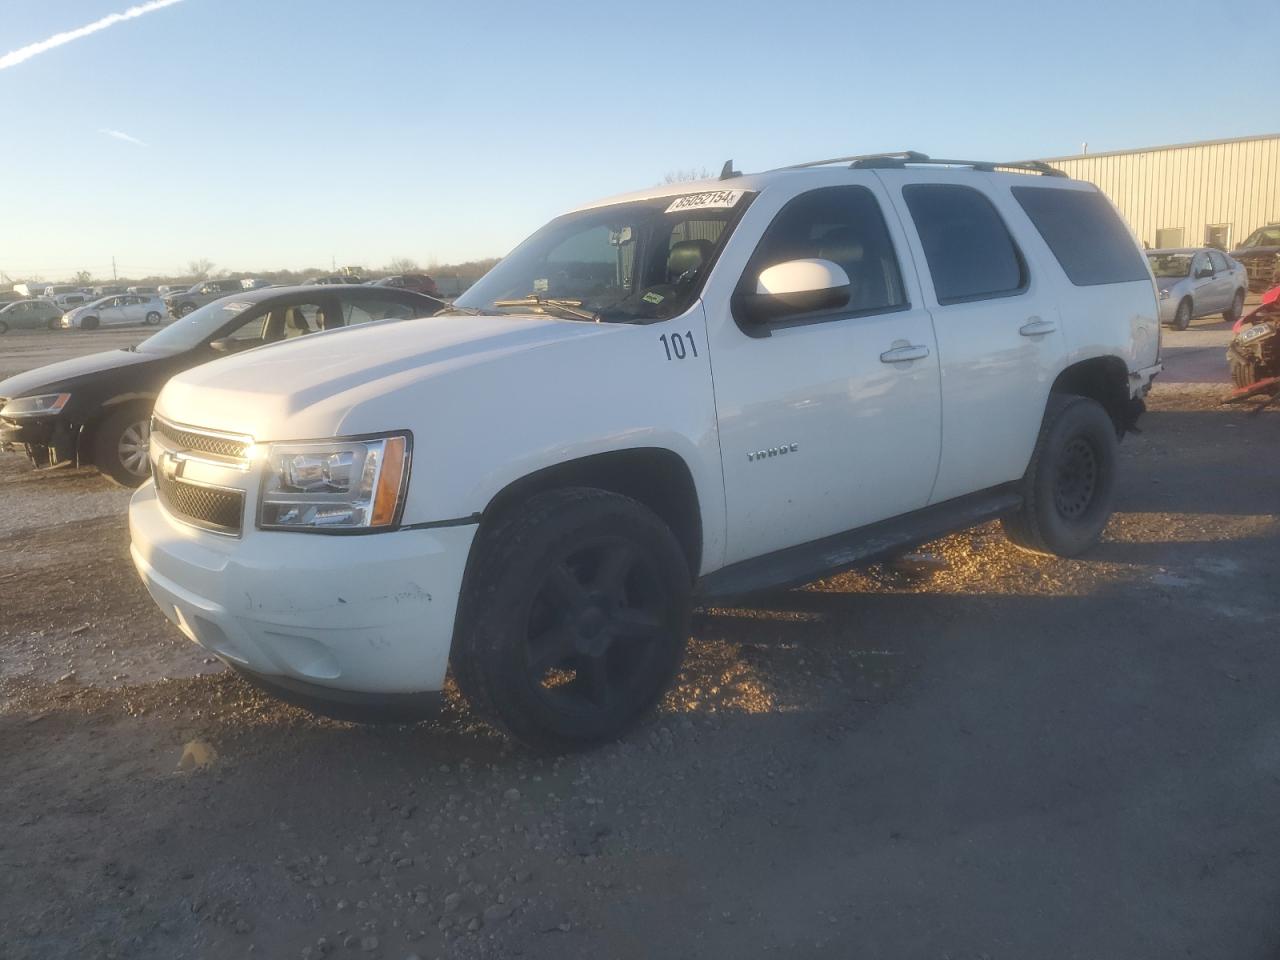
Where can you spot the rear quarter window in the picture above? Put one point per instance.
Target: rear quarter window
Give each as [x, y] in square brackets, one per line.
[1084, 233]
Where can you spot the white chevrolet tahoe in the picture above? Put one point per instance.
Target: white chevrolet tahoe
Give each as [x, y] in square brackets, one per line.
[690, 392]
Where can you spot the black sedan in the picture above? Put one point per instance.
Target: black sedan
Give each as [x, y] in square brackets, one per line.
[97, 409]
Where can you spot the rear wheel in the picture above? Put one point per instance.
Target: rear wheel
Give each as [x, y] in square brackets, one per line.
[153, 318]
[1182, 318]
[574, 620]
[121, 444]
[89, 323]
[1234, 312]
[1069, 487]
[55, 323]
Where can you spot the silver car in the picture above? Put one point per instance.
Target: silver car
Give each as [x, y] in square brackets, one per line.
[1197, 282]
[116, 311]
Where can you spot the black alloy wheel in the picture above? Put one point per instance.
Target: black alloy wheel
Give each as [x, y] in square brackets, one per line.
[573, 619]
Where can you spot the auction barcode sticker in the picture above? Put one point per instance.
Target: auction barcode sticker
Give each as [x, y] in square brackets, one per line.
[707, 200]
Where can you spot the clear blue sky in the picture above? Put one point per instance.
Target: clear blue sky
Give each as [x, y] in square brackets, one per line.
[280, 133]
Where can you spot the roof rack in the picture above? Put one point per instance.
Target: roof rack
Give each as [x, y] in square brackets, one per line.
[901, 158]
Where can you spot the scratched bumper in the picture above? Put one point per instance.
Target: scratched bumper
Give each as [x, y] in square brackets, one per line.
[371, 614]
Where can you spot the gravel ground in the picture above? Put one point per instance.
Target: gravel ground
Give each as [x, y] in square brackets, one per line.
[974, 753]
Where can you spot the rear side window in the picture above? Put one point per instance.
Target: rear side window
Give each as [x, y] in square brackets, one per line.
[971, 255]
[1085, 234]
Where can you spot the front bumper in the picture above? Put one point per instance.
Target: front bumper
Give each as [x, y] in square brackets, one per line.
[48, 441]
[343, 619]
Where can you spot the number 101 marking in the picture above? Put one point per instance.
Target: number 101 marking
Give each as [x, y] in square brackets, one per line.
[675, 345]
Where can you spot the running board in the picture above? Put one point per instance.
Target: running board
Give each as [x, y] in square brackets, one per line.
[844, 551]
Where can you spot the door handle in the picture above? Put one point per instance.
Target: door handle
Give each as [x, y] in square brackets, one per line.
[904, 354]
[1035, 327]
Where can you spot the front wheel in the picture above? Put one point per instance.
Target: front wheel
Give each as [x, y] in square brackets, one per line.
[120, 448]
[574, 619]
[153, 318]
[1182, 317]
[1236, 310]
[55, 323]
[89, 323]
[4, 327]
[185, 309]
[1069, 488]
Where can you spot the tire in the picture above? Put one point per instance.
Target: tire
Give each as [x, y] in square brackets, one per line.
[185, 308]
[153, 319]
[120, 446]
[4, 328]
[1182, 317]
[1243, 374]
[55, 323]
[1069, 488]
[89, 323]
[1234, 312]
[573, 620]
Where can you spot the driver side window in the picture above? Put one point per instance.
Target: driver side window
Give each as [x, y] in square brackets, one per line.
[845, 226]
[251, 329]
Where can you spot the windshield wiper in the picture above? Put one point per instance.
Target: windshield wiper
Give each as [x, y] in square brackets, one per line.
[454, 308]
[564, 309]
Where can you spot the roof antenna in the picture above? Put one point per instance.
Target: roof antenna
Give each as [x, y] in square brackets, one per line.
[727, 172]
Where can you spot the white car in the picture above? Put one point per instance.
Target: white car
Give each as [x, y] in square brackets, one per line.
[116, 311]
[694, 391]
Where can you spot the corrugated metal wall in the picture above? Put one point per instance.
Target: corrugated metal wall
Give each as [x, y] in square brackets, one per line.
[1190, 187]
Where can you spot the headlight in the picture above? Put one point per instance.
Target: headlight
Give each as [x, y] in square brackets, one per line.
[1164, 294]
[335, 485]
[35, 406]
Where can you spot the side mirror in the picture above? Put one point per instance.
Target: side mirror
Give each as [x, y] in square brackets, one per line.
[223, 345]
[1204, 272]
[796, 286]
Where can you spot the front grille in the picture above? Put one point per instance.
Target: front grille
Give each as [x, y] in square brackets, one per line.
[198, 441]
[214, 508]
[1261, 269]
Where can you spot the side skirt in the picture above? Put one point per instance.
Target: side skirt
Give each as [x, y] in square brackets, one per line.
[844, 551]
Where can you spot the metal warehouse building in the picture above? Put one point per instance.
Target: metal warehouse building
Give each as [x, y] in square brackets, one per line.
[1189, 194]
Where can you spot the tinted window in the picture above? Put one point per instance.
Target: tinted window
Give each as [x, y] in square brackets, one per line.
[361, 309]
[843, 225]
[1084, 233]
[970, 253]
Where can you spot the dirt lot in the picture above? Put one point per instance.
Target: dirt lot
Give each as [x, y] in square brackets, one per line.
[983, 755]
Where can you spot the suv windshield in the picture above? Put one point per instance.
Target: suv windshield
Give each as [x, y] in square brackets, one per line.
[1171, 265]
[1264, 237]
[626, 263]
[195, 327]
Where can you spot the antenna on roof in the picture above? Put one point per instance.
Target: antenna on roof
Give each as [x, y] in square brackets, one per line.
[727, 172]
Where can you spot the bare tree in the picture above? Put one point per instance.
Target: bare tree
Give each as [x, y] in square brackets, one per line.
[402, 265]
[83, 277]
[681, 176]
[200, 269]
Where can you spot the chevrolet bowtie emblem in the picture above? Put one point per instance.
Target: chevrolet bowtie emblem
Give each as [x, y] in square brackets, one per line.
[170, 466]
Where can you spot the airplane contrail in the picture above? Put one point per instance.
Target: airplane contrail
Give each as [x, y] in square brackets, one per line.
[15, 57]
[121, 135]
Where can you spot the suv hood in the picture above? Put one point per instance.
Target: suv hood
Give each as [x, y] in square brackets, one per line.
[1255, 252]
[306, 388]
[57, 377]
